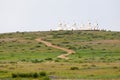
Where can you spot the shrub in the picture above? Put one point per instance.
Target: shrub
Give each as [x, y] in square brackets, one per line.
[49, 49]
[65, 42]
[12, 62]
[49, 59]
[93, 65]
[91, 75]
[23, 75]
[39, 43]
[38, 46]
[71, 47]
[23, 60]
[30, 75]
[42, 74]
[115, 67]
[74, 68]
[35, 75]
[36, 61]
[14, 75]
[57, 60]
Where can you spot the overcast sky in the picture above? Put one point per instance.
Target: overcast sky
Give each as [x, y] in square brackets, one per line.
[35, 15]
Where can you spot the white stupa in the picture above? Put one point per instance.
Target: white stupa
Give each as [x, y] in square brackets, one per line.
[74, 26]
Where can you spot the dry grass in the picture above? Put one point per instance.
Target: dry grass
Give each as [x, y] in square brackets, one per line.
[86, 70]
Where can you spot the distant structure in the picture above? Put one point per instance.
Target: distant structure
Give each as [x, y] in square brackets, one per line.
[75, 26]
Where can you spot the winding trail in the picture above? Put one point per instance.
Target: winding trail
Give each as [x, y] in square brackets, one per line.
[63, 56]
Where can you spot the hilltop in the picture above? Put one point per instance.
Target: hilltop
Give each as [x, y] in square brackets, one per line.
[98, 51]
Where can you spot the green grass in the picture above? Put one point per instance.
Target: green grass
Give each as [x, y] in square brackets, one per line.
[97, 54]
[26, 49]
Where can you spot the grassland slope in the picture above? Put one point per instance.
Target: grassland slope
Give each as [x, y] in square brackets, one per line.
[97, 54]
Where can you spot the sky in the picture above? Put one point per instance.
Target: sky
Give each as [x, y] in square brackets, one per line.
[42, 15]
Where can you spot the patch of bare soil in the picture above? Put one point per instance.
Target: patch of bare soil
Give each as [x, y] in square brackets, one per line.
[8, 39]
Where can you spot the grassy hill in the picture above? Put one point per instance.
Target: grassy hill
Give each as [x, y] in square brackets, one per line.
[97, 54]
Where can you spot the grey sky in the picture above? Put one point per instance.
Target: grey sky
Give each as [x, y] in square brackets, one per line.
[34, 15]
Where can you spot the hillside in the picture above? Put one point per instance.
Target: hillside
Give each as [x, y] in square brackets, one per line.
[97, 54]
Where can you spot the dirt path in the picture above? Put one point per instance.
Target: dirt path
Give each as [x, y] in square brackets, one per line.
[63, 56]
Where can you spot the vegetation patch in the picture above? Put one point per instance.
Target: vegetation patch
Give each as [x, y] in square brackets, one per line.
[74, 68]
[30, 75]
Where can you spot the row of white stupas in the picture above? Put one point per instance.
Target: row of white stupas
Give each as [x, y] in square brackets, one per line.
[89, 26]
